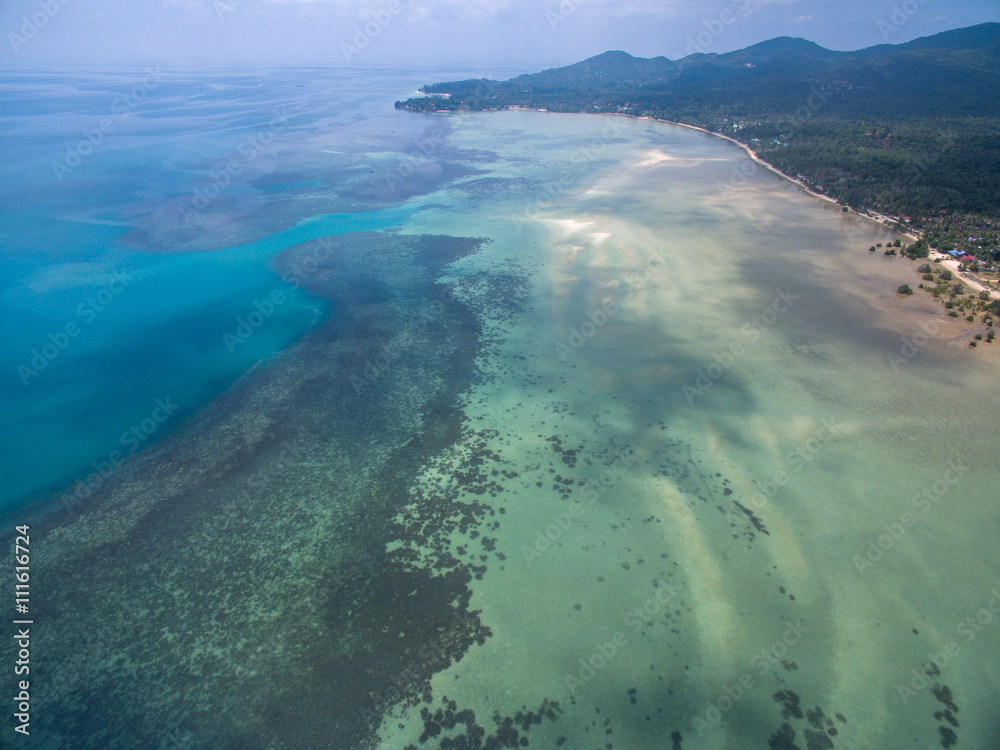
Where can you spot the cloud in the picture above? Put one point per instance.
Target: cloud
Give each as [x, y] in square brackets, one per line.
[438, 31]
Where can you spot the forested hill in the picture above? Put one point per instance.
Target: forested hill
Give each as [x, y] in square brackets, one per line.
[910, 129]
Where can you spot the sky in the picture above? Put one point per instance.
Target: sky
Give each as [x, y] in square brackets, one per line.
[532, 34]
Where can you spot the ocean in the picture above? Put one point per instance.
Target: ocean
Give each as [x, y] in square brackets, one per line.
[111, 181]
[341, 426]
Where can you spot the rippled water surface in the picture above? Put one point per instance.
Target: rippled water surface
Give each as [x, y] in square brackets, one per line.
[492, 430]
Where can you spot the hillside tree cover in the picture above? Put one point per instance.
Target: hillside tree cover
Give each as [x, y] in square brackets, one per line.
[909, 130]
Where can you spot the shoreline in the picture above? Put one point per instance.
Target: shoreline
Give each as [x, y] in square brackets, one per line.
[771, 168]
[943, 259]
[753, 155]
[953, 265]
[884, 222]
[881, 221]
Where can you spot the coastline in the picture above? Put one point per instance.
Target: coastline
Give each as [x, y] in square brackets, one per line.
[230, 477]
[635, 365]
[302, 499]
[953, 265]
[884, 221]
[753, 155]
[944, 260]
[560, 229]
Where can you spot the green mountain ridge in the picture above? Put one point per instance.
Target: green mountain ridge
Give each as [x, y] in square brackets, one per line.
[910, 129]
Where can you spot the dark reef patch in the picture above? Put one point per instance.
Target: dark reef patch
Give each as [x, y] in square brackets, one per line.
[757, 523]
[505, 735]
[783, 739]
[256, 585]
[790, 703]
[818, 732]
[948, 737]
[942, 693]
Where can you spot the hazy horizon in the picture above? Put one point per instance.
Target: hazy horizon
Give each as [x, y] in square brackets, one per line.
[599, 414]
[516, 33]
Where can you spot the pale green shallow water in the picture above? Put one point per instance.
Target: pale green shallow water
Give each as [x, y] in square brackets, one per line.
[573, 454]
[691, 272]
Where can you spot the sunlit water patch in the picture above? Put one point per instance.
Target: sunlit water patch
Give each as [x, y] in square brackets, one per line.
[590, 449]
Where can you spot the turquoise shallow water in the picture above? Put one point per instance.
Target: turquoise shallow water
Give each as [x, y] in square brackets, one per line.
[579, 432]
[141, 326]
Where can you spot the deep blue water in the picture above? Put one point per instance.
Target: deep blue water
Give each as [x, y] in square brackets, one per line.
[127, 253]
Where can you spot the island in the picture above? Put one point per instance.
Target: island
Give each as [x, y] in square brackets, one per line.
[908, 134]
